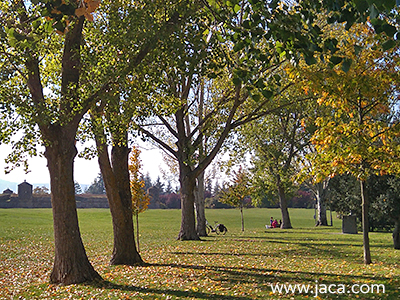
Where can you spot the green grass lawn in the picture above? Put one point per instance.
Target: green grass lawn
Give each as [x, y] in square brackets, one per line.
[239, 265]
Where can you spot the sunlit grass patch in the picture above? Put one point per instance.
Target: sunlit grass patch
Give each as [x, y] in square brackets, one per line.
[239, 265]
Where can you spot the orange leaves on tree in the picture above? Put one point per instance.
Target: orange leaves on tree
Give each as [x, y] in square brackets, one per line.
[59, 14]
[86, 8]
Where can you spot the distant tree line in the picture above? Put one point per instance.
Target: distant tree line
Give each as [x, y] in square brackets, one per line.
[166, 196]
[343, 197]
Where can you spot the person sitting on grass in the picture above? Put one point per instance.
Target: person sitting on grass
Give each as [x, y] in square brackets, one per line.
[275, 224]
[271, 221]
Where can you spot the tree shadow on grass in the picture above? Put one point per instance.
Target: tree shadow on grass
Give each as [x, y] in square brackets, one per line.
[176, 293]
[264, 278]
[266, 273]
[308, 250]
[260, 278]
[320, 240]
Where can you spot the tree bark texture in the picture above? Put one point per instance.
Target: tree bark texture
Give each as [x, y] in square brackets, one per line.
[71, 264]
[188, 223]
[187, 178]
[286, 224]
[200, 206]
[365, 222]
[321, 213]
[137, 232]
[116, 181]
[320, 194]
[321, 210]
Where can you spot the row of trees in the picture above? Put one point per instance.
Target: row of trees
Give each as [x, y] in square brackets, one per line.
[351, 126]
[165, 196]
[182, 73]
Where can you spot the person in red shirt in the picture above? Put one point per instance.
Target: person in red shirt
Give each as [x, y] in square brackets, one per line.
[275, 224]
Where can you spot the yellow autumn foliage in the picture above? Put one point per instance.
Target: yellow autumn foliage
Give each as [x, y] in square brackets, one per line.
[140, 199]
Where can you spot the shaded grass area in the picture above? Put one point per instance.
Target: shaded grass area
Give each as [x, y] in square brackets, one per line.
[239, 265]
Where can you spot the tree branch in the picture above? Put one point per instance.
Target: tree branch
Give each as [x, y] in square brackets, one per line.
[255, 115]
[208, 158]
[158, 141]
[225, 98]
[169, 127]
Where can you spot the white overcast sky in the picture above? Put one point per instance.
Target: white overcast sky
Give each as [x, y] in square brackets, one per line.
[85, 171]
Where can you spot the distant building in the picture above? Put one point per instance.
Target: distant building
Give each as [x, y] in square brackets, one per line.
[26, 199]
[25, 194]
[8, 191]
[25, 190]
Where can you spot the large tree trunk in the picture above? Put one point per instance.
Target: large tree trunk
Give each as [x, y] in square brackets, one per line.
[186, 179]
[137, 231]
[116, 182]
[321, 213]
[200, 206]
[365, 222]
[71, 264]
[286, 224]
[188, 224]
[396, 234]
[321, 208]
